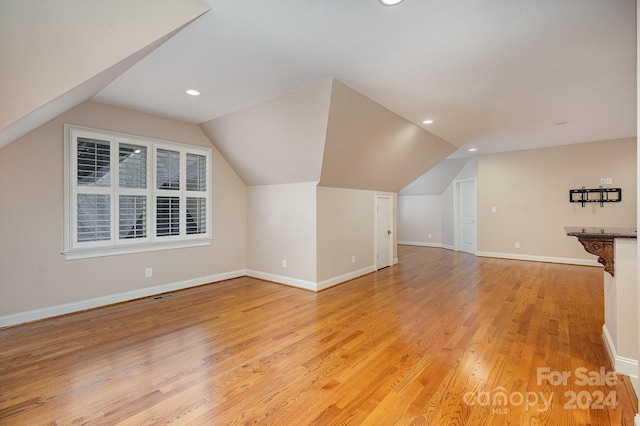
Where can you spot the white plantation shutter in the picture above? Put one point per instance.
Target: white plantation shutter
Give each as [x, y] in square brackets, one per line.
[196, 215]
[93, 162]
[168, 170]
[92, 177]
[133, 191]
[196, 194]
[113, 208]
[94, 218]
[133, 166]
[132, 216]
[168, 216]
[196, 172]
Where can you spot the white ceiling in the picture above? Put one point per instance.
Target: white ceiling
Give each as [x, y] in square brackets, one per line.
[498, 75]
[436, 180]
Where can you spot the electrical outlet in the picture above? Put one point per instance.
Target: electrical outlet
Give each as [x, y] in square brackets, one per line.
[430, 236]
[284, 263]
[517, 244]
[609, 181]
[148, 272]
[603, 181]
[493, 209]
[353, 259]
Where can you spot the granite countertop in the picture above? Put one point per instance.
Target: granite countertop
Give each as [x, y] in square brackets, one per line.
[607, 232]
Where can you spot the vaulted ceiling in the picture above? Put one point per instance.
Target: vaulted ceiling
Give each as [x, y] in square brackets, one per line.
[327, 133]
[496, 75]
[58, 54]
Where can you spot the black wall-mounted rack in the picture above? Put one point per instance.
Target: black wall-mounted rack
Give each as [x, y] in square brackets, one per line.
[595, 195]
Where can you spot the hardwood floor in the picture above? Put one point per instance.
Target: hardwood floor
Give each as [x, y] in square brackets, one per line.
[441, 338]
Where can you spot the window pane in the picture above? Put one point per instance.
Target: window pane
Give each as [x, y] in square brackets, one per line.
[196, 215]
[94, 217]
[133, 216]
[196, 172]
[168, 216]
[133, 166]
[168, 173]
[94, 162]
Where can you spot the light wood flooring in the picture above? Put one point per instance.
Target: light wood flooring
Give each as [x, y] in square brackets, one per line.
[442, 338]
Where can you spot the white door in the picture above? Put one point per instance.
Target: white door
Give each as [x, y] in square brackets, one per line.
[468, 226]
[384, 239]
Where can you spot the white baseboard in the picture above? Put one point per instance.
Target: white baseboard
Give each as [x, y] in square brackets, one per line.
[423, 244]
[346, 277]
[534, 258]
[623, 365]
[419, 244]
[310, 285]
[280, 279]
[636, 420]
[67, 308]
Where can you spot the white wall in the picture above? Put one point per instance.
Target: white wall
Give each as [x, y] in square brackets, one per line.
[281, 225]
[34, 275]
[620, 313]
[530, 190]
[345, 229]
[420, 220]
[419, 216]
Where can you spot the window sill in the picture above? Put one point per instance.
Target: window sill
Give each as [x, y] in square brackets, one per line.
[115, 251]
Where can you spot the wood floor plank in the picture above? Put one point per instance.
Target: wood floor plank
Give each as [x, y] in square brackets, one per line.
[440, 338]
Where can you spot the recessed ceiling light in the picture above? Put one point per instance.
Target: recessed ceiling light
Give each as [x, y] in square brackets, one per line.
[390, 2]
[473, 149]
[193, 92]
[427, 122]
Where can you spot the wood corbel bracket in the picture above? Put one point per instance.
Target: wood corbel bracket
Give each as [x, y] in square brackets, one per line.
[601, 247]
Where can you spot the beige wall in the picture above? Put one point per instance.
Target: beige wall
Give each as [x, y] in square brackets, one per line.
[281, 225]
[345, 229]
[530, 190]
[33, 272]
[418, 217]
[316, 230]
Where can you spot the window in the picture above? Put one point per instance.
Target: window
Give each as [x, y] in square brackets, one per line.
[126, 194]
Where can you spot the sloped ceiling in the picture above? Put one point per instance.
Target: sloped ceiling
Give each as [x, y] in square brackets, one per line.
[58, 54]
[278, 141]
[329, 133]
[370, 147]
[497, 75]
[436, 180]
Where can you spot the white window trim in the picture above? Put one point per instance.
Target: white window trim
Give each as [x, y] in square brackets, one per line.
[116, 245]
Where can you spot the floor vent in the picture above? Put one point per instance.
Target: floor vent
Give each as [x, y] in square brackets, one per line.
[162, 296]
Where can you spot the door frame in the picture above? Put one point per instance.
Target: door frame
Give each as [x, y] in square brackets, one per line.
[375, 229]
[456, 211]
